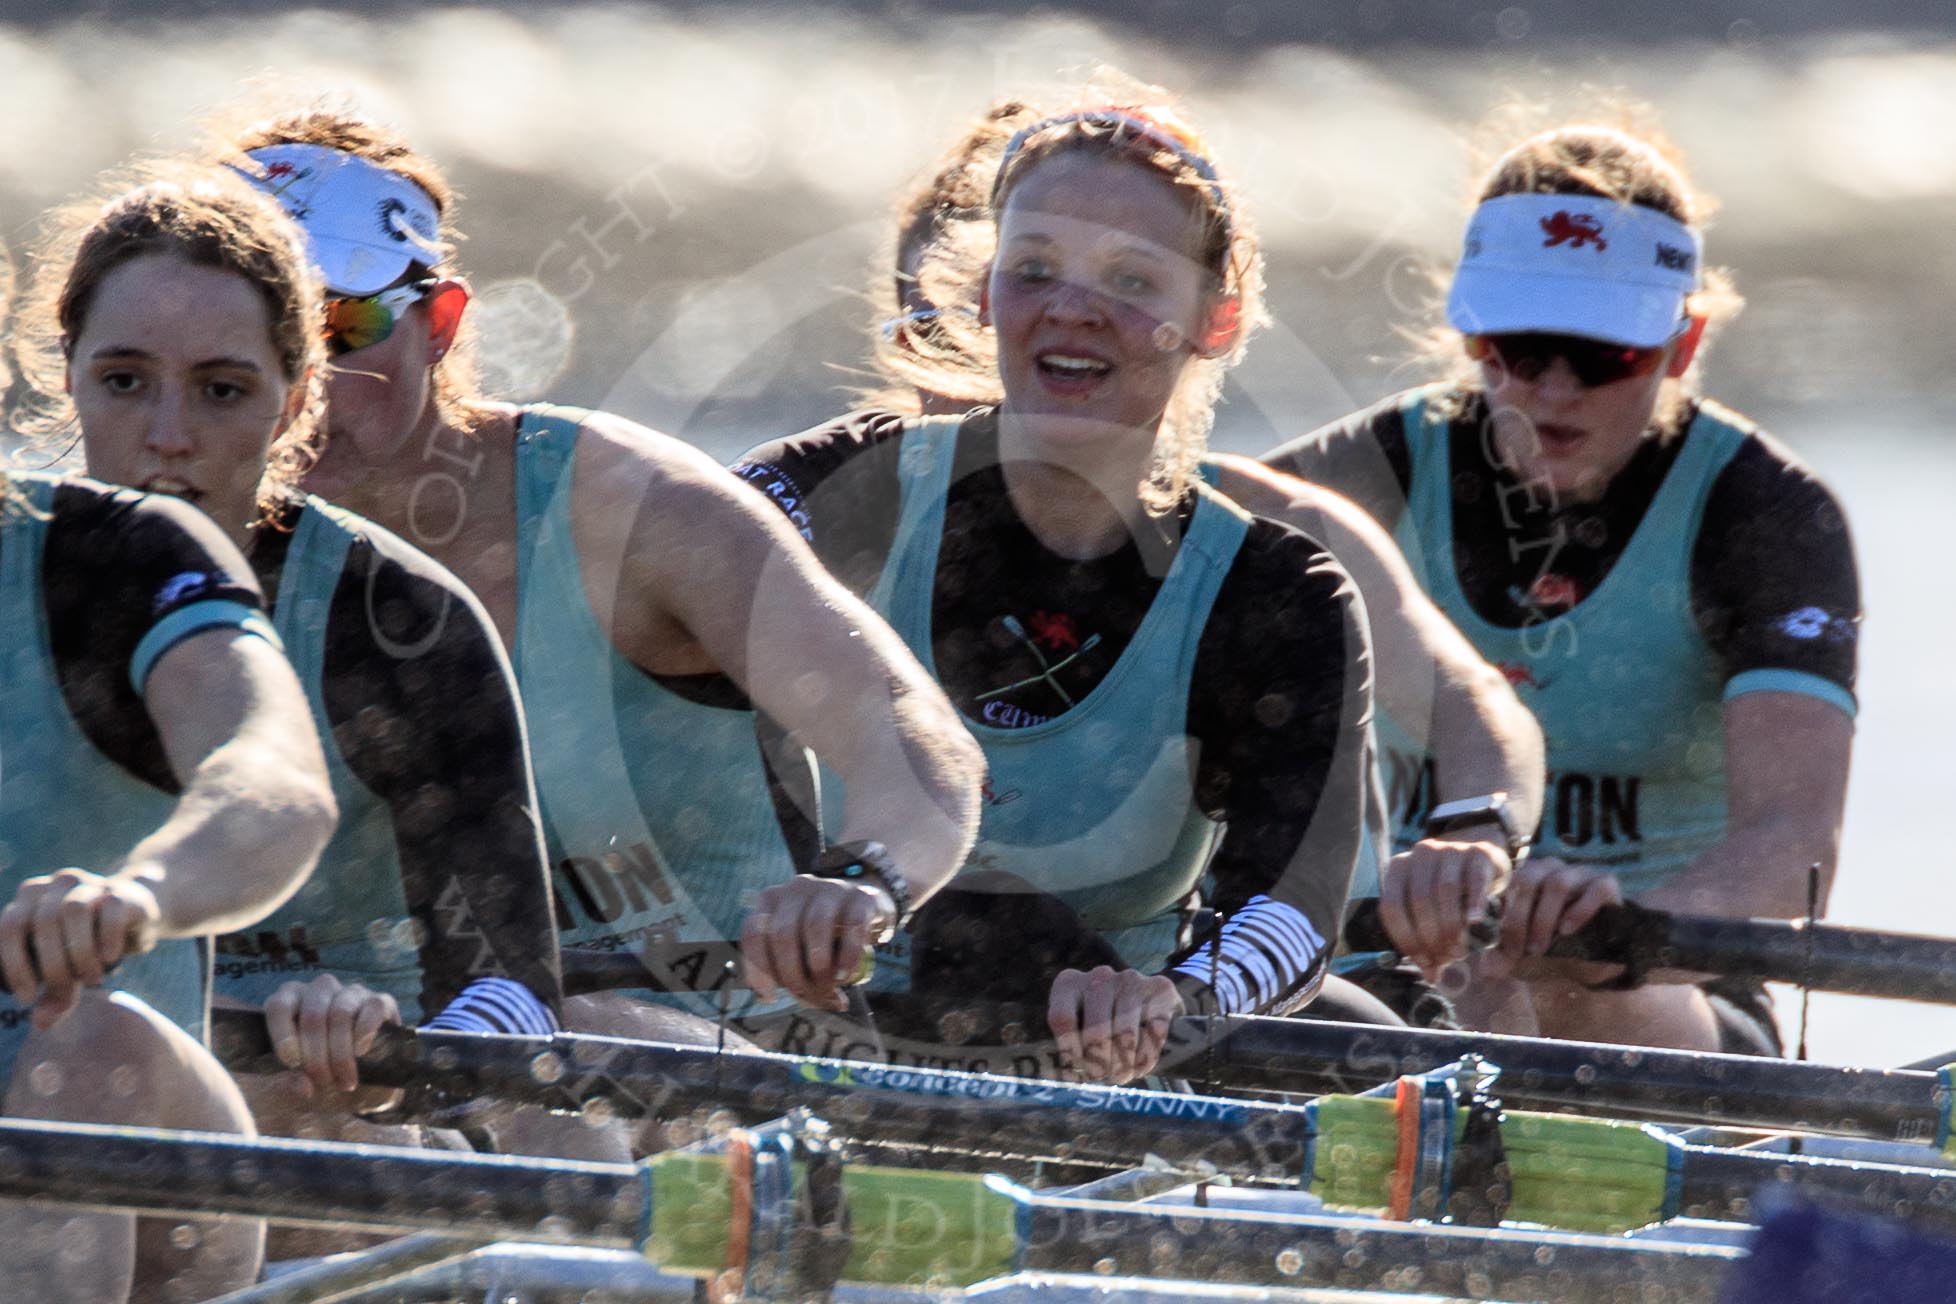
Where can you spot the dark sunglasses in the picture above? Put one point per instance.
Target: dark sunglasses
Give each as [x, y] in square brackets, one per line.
[1595, 362]
[356, 323]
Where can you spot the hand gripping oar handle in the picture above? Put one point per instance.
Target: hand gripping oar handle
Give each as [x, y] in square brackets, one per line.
[1827, 957]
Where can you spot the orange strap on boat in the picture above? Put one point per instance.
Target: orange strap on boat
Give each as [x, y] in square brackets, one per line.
[1405, 1164]
[730, 1285]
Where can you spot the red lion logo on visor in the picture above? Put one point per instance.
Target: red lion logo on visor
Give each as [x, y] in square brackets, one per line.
[1574, 230]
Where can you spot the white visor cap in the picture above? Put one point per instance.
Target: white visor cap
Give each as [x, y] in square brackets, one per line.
[364, 224]
[1574, 265]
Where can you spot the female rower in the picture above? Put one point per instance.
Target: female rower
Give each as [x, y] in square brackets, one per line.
[646, 599]
[161, 781]
[1443, 700]
[1142, 661]
[178, 326]
[1672, 591]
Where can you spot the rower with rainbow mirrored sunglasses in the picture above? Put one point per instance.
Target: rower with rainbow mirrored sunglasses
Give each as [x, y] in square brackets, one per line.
[358, 323]
[368, 228]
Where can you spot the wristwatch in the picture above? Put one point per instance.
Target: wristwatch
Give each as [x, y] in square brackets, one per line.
[1469, 811]
[870, 863]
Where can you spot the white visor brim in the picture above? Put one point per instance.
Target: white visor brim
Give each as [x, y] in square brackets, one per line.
[365, 225]
[1574, 265]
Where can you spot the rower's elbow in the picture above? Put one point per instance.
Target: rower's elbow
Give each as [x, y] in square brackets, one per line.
[305, 813]
[1477, 699]
[960, 764]
[317, 814]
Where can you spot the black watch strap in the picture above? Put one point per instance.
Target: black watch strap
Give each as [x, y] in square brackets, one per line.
[1467, 812]
[866, 862]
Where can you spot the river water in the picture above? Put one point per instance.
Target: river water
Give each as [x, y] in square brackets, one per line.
[673, 214]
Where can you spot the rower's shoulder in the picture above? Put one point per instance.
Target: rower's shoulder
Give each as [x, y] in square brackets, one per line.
[1761, 467]
[1263, 490]
[821, 448]
[391, 555]
[1286, 564]
[1346, 529]
[622, 464]
[1386, 422]
[125, 534]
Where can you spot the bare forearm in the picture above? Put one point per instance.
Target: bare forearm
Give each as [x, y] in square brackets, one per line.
[1754, 873]
[913, 786]
[809, 654]
[1428, 677]
[1786, 765]
[243, 837]
[1484, 740]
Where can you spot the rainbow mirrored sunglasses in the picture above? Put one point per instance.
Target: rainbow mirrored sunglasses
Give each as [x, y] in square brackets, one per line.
[357, 323]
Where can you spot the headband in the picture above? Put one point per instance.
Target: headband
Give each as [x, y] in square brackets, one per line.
[1142, 128]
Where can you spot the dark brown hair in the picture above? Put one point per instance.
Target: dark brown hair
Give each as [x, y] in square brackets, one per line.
[207, 217]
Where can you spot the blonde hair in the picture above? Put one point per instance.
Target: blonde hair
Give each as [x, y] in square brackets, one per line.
[332, 125]
[205, 216]
[909, 349]
[1616, 151]
[1117, 117]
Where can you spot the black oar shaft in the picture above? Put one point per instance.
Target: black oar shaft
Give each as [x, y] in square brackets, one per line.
[601, 1205]
[1307, 1055]
[377, 1187]
[1348, 1254]
[1826, 957]
[1724, 1185]
[926, 1109]
[966, 1114]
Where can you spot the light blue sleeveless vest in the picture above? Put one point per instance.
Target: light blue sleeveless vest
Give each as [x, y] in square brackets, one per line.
[350, 919]
[62, 802]
[656, 809]
[1628, 694]
[1097, 804]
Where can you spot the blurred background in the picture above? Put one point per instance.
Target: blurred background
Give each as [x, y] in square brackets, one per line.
[674, 211]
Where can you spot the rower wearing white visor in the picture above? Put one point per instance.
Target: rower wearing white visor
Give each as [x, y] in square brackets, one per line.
[652, 606]
[1670, 590]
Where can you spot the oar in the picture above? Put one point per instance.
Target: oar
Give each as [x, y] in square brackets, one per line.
[1825, 957]
[1578, 1173]
[1313, 1056]
[743, 1209]
[660, 966]
[1039, 1120]
[928, 1109]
